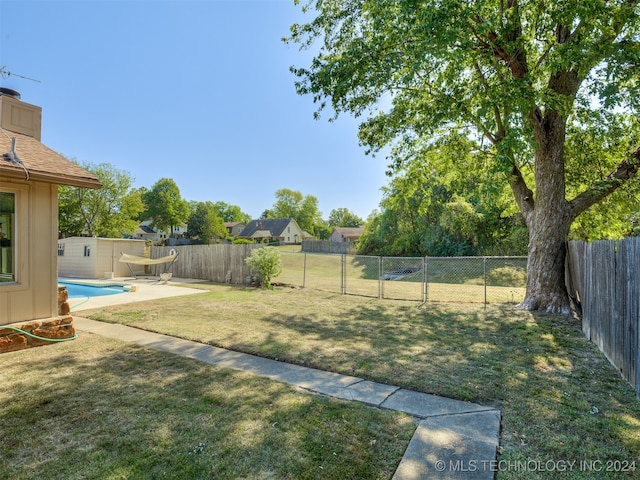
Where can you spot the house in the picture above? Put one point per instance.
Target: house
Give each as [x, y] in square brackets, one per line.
[91, 257]
[234, 228]
[346, 234]
[283, 230]
[146, 231]
[30, 173]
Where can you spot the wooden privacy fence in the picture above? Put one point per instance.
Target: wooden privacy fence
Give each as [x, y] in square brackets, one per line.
[323, 246]
[603, 277]
[222, 263]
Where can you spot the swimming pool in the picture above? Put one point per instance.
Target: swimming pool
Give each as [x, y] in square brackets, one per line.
[78, 290]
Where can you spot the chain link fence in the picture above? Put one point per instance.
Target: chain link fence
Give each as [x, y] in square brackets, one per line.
[423, 279]
[403, 278]
[362, 275]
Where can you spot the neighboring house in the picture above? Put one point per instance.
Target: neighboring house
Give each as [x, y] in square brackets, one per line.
[30, 174]
[146, 231]
[234, 228]
[346, 234]
[92, 257]
[283, 230]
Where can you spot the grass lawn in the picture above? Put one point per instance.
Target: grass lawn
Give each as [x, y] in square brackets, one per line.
[560, 398]
[96, 408]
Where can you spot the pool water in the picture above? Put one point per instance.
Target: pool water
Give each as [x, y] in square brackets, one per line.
[77, 290]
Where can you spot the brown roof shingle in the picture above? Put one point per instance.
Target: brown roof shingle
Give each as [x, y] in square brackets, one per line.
[350, 231]
[42, 163]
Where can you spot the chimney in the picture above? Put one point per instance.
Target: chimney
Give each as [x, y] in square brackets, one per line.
[18, 116]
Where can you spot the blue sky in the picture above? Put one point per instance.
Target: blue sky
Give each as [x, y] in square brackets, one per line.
[197, 91]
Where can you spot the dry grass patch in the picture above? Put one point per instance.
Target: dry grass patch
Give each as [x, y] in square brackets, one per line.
[539, 370]
[98, 408]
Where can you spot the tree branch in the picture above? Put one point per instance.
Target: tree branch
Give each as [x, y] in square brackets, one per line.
[516, 60]
[522, 193]
[627, 169]
[500, 129]
[601, 46]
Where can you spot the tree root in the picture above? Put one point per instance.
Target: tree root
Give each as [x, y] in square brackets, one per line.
[554, 304]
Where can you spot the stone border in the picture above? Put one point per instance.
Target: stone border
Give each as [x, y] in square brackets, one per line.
[56, 328]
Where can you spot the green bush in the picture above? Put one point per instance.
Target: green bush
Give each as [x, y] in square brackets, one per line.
[241, 241]
[266, 263]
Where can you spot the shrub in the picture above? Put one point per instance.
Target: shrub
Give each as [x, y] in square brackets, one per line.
[266, 263]
[241, 241]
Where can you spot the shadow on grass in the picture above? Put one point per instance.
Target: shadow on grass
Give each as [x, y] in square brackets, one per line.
[407, 345]
[100, 409]
[560, 398]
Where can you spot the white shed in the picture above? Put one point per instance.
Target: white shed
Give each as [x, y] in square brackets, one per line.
[92, 257]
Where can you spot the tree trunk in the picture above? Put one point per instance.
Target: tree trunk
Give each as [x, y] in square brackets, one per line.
[548, 217]
[546, 289]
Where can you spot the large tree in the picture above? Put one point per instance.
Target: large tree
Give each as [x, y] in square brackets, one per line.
[231, 213]
[205, 222]
[343, 217]
[292, 204]
[523, 75]
[109, 211]
[164, 205]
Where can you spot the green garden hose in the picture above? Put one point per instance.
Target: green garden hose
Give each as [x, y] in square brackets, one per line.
[76, 306]
[40, 338]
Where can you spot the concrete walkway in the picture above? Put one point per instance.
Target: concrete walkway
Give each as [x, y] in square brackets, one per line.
[453, 440]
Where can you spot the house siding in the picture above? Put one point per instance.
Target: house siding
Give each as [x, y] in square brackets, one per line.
[34, 296]
[234, 228]
[292, 234]
[336, 236]
[347, 234]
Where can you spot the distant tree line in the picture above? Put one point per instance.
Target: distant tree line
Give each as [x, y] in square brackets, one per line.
[118, 208]
[427, 209]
